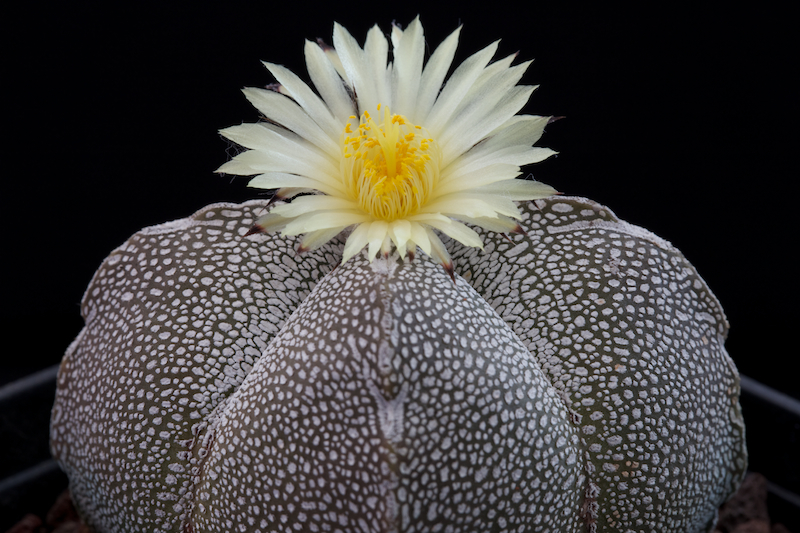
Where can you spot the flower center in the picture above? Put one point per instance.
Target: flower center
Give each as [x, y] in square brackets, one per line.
[391, 167]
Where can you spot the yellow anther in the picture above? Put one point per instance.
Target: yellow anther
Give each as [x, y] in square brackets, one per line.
[392, 170]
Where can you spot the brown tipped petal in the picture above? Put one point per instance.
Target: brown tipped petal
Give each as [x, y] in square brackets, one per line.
[519, 230]
[252, 231]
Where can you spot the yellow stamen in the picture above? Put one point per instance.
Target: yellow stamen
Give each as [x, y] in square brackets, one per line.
[393, 169]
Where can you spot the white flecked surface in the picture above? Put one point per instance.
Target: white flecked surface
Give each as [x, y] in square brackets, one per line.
[573, 378]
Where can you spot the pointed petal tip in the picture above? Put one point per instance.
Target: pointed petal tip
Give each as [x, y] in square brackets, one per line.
[450, 269]
[252, 231]
[277, 197]
[276, 88]
[519, 230]
[322, 44]
[555, 119]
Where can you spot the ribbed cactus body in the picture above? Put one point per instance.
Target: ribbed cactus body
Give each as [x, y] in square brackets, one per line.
[573, 379]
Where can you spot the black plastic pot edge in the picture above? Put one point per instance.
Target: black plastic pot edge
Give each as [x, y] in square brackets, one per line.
[29, 382]
[766, 393]
[33, 491]
[31, 480]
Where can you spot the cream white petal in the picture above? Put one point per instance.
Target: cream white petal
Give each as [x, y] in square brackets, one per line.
[460, 232]
[315, 239]
[252, 162]
[409, 52]
[282, 110]
[420, 237]
[494, 68]
[488, 206]
[513, 141]
[323, 220]
[517, 190]
[316, 202]
[424, 218]
[285, 193]
[438, 250]
[481, 125]
[494, 78]
[356, 242]
[274, 138]
[356, 68]
[376, 51]
[481, 101]
[279, 180]
[401, 229]
[457, 86]
[271, 222]
[538, 154]
[308, 100]
[519, 129]
[470, 180]
[328, 83]
[491, 204]
[516, 155]
[333, 58]
[283, 146]
[243, 166]
[433, 76]
[400, 233]
[376, 235]
[281, 162]
[397, 34]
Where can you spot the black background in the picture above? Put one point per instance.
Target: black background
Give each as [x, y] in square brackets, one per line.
[682, 121]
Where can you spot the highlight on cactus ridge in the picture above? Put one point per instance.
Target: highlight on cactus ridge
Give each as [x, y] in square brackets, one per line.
[564, 371]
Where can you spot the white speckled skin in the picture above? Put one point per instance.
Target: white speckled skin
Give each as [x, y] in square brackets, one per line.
[573, 380]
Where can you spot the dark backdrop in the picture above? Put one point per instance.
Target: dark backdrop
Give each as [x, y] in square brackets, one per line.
[680, 121]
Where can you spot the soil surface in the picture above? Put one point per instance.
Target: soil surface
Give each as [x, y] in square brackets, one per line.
[745, 512]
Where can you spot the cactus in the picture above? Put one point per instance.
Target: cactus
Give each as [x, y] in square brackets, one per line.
[571, 379]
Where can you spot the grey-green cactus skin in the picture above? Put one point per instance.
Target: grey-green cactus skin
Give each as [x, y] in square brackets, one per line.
[573, 379]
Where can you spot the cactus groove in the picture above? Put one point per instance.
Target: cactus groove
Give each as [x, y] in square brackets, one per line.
[572, 379]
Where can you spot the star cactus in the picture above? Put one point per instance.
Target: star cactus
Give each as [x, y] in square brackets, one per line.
[570, 377]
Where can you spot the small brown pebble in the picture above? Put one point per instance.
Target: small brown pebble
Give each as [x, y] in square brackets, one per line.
[62, 510]
[748, 504]
[72, 526]
[30, 523]
[753, 526]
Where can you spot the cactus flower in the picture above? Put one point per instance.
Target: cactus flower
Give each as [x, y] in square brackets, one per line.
[389, 151]
[569, 378]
